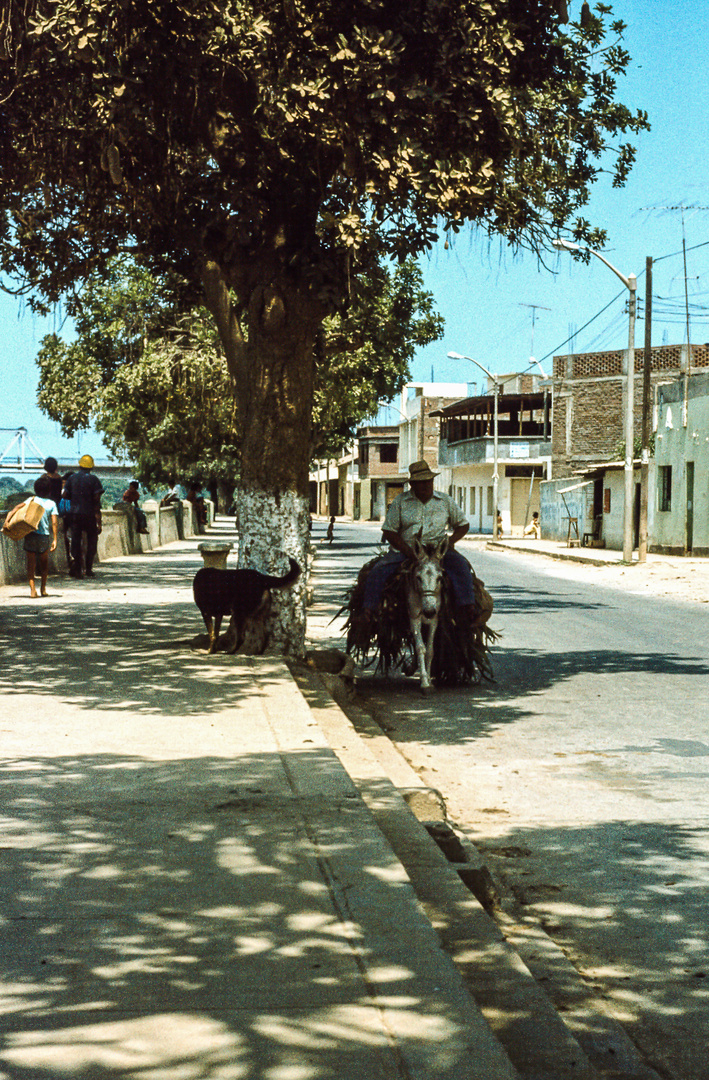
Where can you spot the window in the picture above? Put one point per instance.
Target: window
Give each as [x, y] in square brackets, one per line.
[387, 453]
[664, 487]
[472, 500]
[490, 507]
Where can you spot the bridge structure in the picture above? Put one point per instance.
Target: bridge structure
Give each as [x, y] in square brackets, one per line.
[22, 455]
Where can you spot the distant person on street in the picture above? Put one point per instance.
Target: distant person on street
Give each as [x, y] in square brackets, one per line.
[131, 496]
[533, 529]
[84, 491]
[57, 482]
[65, 514]
[175, 494]
[498, 525]
[195, 496]
[39, 543]
[331, 531]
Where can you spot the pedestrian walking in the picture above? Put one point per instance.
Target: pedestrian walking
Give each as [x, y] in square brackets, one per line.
[84, 491]
[56, 481]
[39, 543]
[331, 530]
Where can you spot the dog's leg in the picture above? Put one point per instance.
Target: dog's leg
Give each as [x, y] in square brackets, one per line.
[210, 630]
[214, 641]
[236, 634]
[256, 635]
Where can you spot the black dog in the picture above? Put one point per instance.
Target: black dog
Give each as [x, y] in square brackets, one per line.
[243, 594]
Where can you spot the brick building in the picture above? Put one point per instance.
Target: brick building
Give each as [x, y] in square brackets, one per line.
[589, 400]
[385, 452]
[379, 478]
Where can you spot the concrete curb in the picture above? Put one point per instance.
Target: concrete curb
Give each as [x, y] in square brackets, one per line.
[528, 1026]
[570, 555]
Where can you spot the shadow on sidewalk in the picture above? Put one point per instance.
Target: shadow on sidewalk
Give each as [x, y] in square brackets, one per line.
[177, 919]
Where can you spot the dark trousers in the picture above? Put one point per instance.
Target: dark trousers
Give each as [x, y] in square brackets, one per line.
[455, 565]
[83, 524]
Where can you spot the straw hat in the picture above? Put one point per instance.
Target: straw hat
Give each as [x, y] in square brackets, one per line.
[420, 470]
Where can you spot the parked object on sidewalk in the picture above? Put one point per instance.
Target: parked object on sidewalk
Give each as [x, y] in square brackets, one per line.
[243, 594]
[23, 519]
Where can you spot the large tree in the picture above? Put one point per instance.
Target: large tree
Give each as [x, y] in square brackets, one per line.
[152, 378]
[268, 150]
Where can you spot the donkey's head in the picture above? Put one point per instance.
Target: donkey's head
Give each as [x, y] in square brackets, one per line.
[427, 575]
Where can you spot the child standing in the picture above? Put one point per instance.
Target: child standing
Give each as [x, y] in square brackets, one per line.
[39, 543]
[331, 531]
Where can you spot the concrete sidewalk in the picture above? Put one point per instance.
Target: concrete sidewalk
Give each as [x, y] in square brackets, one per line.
[194, 888]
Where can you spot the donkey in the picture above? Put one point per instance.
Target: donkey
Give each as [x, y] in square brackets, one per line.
[424, 580]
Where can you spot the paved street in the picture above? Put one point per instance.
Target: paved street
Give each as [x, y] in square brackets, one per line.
[582, 776]
[192, 887]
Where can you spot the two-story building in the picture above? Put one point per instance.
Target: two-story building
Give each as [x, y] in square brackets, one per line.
[385, 452]
[379, 479]
[590, 401]
[467, 459]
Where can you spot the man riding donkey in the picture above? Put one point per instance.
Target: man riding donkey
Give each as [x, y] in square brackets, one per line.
[421, 516]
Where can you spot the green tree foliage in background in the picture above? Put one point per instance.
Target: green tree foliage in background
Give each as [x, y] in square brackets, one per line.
[366, 352]
[155, 384]
[151, 379]
[268, 152]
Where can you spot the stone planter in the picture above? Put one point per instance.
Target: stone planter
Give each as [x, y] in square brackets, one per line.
[215, 553]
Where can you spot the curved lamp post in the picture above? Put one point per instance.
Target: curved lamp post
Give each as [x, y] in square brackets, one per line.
[495, 475]
[631, 284]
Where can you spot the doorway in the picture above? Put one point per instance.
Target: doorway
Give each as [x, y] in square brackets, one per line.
[524, 499]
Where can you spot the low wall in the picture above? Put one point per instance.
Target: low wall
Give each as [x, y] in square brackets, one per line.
[119, 536]
[554, 510]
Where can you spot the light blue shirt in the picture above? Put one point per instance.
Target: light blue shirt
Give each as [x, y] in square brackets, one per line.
[50, 510]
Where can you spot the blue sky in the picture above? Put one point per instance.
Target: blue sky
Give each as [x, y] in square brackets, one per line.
[484, 292]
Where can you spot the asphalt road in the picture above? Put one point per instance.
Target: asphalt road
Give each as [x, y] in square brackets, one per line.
[581, 773]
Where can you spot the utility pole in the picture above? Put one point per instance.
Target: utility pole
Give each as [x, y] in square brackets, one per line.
[645, 458]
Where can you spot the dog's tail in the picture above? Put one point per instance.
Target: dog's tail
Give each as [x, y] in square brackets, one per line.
[282, 582]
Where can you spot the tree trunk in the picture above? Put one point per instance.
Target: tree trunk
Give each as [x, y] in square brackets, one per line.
[274, 389]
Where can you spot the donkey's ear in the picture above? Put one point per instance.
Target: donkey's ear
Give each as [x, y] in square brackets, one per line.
[416, 545]
[441, 548]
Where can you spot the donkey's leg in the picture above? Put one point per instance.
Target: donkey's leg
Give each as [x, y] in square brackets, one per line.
[431, 627]
[420, 648]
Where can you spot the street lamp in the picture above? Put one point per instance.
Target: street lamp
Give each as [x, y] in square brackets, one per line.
[541, 369]
[496, 390]
[631, 285]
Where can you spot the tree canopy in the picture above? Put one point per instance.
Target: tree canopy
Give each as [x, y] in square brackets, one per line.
[268, 152]
[153, 380]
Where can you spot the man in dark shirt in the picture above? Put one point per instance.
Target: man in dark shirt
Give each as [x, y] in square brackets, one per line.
[84, 491]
